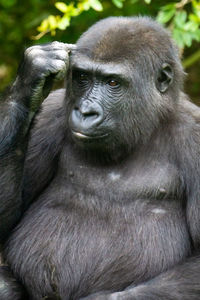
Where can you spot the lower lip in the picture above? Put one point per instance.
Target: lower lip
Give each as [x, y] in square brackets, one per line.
[83, 136]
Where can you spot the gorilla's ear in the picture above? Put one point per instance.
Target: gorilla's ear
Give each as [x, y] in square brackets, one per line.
[165, 78]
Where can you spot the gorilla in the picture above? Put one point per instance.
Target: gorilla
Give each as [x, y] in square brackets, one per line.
[105, 186]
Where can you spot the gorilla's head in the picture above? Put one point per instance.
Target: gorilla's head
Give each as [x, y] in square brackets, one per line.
[126, 79]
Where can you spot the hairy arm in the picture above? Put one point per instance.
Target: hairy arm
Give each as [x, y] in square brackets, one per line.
[45, 143]
[13, 116]
[40, 65]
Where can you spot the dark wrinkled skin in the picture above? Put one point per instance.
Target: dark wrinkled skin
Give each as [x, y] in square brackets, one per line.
[111, 177]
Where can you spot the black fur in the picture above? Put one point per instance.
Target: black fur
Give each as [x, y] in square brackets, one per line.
[114, 165]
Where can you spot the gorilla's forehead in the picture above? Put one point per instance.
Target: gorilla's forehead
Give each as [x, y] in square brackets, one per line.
[83, 62]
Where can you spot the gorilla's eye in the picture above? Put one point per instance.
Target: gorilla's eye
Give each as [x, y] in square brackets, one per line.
[113, 82]
[82, 77]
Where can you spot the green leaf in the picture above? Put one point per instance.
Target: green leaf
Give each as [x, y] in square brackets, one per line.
[170, 6]
[164, 16]
[177, 35]
[196, 35]
[196, 8]
[85, 5]
[52, 22]
[44, 26]
[187, 38]
[64, 22]
[61, 6]
[118, 3]
[147, 1]
[194, 18]
[96, 5]
[190, 26]
[180, 18]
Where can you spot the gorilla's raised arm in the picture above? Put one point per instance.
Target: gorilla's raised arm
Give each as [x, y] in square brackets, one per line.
[39, 67]
[41, 64]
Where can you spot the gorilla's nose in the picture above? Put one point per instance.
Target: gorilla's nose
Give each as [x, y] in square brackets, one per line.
[87, 115]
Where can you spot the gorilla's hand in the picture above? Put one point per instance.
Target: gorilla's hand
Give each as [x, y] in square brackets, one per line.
[40, 66]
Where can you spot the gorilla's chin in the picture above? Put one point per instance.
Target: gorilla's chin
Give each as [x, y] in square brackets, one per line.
[102, 148]
[90, 141]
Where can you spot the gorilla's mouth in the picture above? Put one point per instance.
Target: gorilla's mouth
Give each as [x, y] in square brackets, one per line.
[83, 136]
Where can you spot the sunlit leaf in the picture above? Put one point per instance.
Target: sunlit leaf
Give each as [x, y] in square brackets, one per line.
[74, 12]
[177, 35]
[187, 38]
[85, 5]
[118, 3]
[170, 6]
[64, 22]
[96, 5]
[52, 22]
[164, 16]
[44, 26]
[190, 26]
[194, 18]
[196, 35]
[147, 1]
[180, 18]
[61, 6]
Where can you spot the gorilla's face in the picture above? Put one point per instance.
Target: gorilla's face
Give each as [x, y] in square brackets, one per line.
[99, 95]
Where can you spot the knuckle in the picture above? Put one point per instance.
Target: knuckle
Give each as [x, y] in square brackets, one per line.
[62, 46]
[30, 49]
[70, 46]
[61, 54]
[57, 45]
[39, 61]
[59, 65]
[33, 52]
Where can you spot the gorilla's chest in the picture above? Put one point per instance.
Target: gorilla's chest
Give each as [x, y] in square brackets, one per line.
[142, 176]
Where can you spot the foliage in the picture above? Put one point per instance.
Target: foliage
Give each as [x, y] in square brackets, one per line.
[184, 23]
[183, 18]
[24, 23]
[52, 23]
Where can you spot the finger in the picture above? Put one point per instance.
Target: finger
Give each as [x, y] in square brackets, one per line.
[59, 54]
[70, 47]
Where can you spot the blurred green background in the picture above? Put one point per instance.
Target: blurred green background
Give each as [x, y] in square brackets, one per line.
[27, 22]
